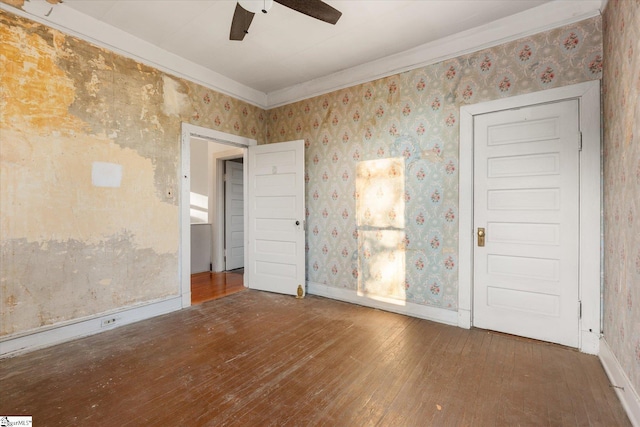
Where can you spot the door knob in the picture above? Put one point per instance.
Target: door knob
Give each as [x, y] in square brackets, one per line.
[297, 222]
[481, 236]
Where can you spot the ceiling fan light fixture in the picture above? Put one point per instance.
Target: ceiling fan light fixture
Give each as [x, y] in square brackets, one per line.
[256, 6]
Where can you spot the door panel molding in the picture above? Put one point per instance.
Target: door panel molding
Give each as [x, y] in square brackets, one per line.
[588, 96]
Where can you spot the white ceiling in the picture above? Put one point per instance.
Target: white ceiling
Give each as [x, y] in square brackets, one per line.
[285, 49]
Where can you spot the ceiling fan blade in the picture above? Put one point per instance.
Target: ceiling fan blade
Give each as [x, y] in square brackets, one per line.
[240, 25]
[314, 8]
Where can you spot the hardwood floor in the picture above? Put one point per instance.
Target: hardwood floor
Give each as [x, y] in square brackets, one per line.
[256, 358]
[208, 286]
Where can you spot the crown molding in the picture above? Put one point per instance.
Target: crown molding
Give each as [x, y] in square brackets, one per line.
[542, 18]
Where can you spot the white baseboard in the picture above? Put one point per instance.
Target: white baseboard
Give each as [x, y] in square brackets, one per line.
[620, 382]
[57, 334]
[407, 308]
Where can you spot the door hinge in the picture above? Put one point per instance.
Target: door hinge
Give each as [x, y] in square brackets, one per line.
[579, 309]
[580, 141]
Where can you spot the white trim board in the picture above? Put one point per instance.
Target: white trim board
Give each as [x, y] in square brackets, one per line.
[588, 95]
[620, 382]
[435, 314]
[542, 18]
[81, 328]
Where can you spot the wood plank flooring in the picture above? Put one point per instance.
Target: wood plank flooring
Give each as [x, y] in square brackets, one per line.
[208, 286]
[259, 359]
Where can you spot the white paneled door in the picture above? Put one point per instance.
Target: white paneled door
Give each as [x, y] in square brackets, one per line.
[526, 217]
[233, 215]
[276, 217]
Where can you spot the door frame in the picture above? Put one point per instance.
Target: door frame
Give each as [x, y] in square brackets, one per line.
[590, 205]
[187, 132]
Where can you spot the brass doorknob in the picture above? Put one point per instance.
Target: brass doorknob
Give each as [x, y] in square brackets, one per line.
[481, 236]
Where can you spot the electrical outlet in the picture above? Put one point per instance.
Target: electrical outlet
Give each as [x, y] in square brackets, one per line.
[109, 321]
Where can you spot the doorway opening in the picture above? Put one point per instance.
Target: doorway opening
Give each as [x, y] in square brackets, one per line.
[202, 213]
[217, 245]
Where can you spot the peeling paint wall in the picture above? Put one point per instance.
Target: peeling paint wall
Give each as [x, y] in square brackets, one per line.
[89, 167]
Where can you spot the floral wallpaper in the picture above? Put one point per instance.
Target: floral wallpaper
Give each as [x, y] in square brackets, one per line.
[621, 87]
[382, 161]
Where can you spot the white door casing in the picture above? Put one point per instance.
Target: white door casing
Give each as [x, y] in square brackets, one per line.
[234, 215]
[276, 217]
[526, 205]
[589, 229]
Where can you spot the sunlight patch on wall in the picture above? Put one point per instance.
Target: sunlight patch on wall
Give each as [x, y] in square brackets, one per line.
[199, 209]
[380, 223]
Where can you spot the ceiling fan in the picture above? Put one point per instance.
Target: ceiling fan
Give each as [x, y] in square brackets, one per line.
[246, 9]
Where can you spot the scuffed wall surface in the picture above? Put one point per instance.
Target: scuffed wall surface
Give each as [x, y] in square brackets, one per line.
[72, 246]
[402, 243]
[621, 82]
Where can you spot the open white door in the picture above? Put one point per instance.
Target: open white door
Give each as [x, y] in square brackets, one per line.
[276, 233]
[233, 215]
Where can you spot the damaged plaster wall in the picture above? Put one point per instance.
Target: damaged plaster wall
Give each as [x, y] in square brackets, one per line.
[89, 167]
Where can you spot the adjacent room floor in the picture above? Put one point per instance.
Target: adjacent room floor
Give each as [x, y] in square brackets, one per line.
[208, 286]
[255, 358]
